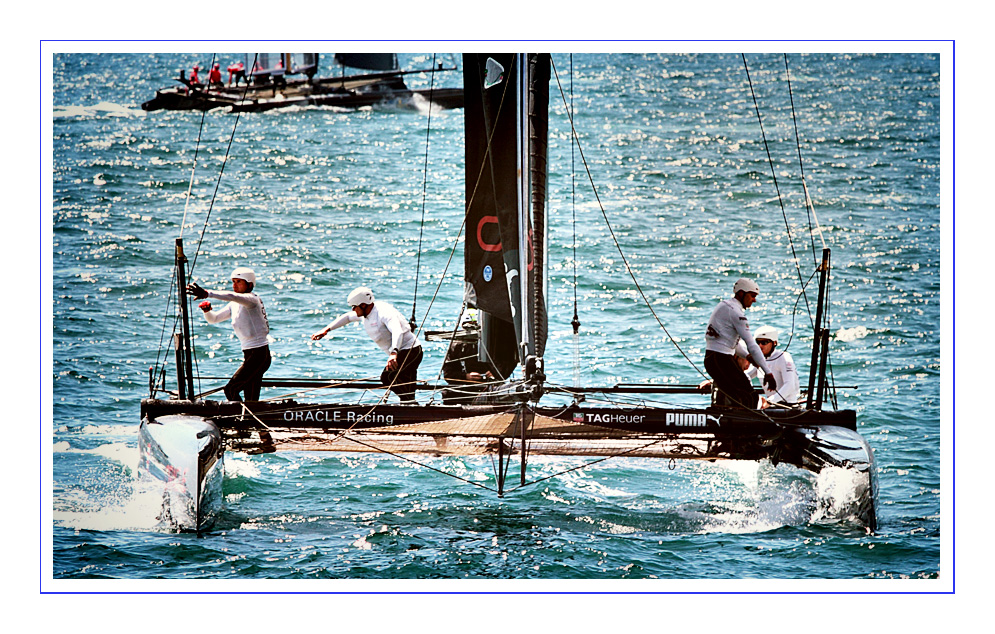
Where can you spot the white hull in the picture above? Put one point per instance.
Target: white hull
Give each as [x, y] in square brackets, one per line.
[186, 454]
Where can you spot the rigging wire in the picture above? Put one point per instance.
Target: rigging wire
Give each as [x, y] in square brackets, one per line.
[601, 206]
[831, 387]
[452, 251]
[473, 196]
[210, 208]
[165, 320]
[378, 449]
[794, 310]
[183, 222]
[801, 166]
[206, 220]
[193, 170]
[449, 348]
[770, 162]
[415, 462]
[217, 184]
[584, 466]
[573, 206]
[424, 185]
[810, 209]
[573, 195]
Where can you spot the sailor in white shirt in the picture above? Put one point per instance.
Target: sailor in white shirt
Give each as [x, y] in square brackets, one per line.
[389, 330]
[248, 318]
[781, 365]
[727, 326]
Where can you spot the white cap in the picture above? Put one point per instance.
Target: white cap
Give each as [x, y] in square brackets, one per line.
[767, 332]
[361, 295]
[244, 273]
[744, 284]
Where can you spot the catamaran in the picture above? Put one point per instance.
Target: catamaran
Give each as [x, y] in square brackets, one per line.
[506, 130]
[282, 80]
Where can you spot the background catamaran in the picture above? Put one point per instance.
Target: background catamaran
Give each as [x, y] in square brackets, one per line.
[506, 108]
[281, 80]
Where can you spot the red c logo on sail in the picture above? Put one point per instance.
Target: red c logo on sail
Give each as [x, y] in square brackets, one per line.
[486, 246]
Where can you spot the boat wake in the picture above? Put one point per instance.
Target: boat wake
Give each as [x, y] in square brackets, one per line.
[112, 497]
[424, 106]
[115, 496]
[849, 335]
[842, 495]
[748, 497]
[734, 497]
[102, 109]
[755, 497]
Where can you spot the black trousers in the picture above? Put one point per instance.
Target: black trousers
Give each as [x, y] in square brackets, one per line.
[729, 378]
[248, 377]
[402, 380]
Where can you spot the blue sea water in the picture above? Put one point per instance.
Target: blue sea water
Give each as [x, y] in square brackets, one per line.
[320, 200]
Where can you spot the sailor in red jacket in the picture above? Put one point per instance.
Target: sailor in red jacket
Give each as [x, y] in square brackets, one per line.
[236, 71]
[214, 77]
[193, 74]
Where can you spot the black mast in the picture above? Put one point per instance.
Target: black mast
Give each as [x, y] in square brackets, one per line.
[820, 341]
[184, 356]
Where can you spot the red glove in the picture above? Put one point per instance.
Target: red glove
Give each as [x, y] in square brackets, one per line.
[205, 306]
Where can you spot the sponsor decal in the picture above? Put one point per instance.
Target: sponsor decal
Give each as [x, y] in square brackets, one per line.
[614, 418]
[336, 416]
[488, 273]
[673, 419]
[689, 419]
[484, 244]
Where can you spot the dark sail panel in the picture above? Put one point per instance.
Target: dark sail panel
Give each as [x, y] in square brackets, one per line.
[491, 197]
[368, 61]
[491, 247]
[497, 345]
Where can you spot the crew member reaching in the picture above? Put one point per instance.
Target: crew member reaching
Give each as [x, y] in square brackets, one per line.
[389, 330]
[248, 318]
